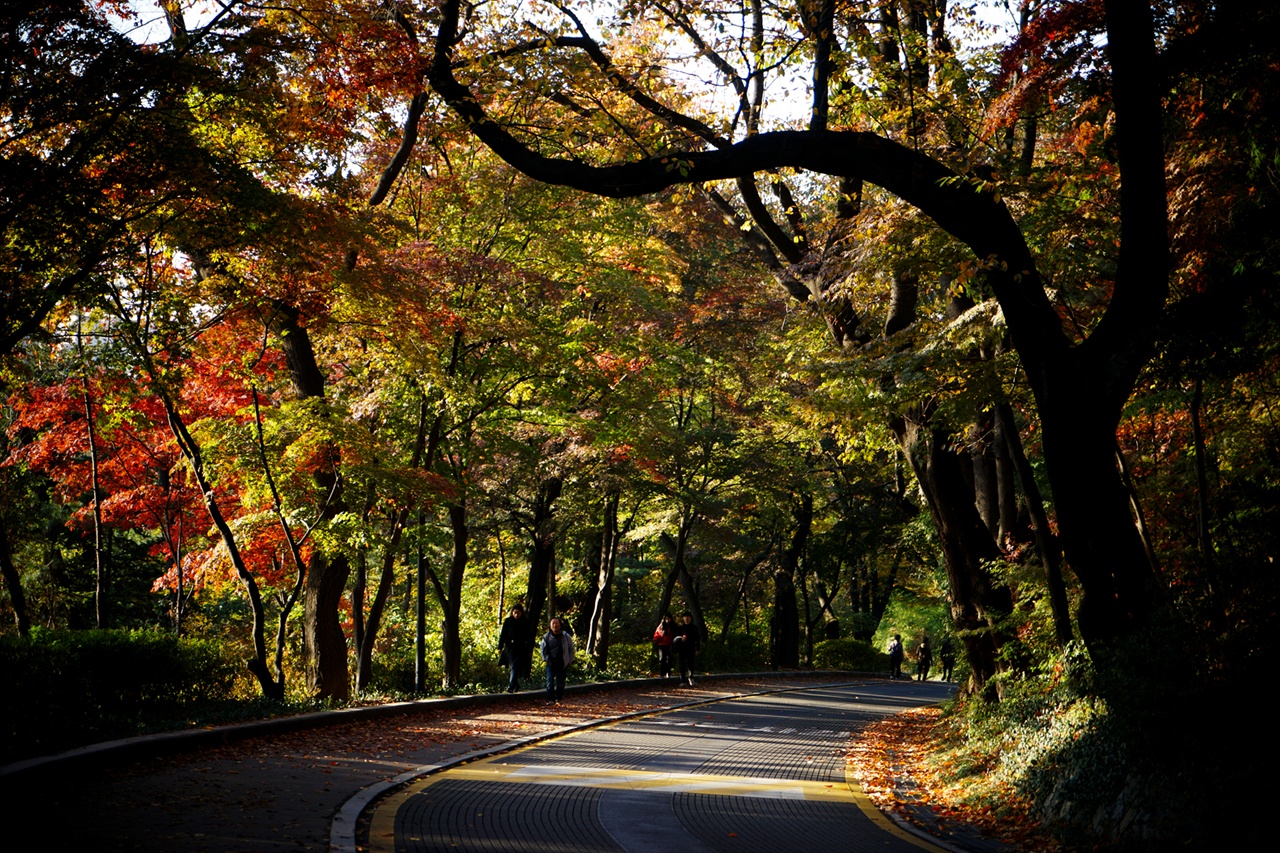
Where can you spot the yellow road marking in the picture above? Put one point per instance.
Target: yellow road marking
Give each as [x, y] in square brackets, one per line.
[495, 770]
[879, 818]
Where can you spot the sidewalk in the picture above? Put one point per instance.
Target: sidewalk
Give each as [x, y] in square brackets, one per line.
[277, 789]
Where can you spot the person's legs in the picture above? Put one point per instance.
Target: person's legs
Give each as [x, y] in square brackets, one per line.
[551, 682]
[513, 673]
[559, 683]
[686, 667]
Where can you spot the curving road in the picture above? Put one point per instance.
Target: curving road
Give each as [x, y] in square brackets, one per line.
[760, 773]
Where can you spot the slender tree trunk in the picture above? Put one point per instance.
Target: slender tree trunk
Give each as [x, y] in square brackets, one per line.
[452, 603]
[13, 583]
[323, 642]
[786, 616]
[101, 616]
[743, 585]
[420, 613]
[1046, 544]
[1202, 480]
[422, 455]
[542, 550]
[271, 688]
[678, 546]
[602, 610]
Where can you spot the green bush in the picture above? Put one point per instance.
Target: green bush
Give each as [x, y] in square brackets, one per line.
[735, 653]
[849, 654]
[630, 660]
[67, 688]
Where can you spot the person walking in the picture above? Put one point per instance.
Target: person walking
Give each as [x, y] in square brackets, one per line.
[924, 657]
[895, 656]
[947, 654]
[663, 636]
[686, 644]
[515, 644]
[557, 653]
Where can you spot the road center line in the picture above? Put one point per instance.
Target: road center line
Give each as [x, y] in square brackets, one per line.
[654, 781]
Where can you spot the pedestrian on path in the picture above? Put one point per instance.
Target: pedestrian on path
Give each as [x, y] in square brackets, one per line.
[663, 636]
[947, 654]
[557, 654]
[687, 644]
[924, 657]
[895, 656]
[515, 645]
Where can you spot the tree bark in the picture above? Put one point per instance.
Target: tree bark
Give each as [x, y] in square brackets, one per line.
[1046, 544]
[978, 603]
[13, 583]
[602, 609]
[542, 550]
[785, 634]
[323, 642]
[452, 604]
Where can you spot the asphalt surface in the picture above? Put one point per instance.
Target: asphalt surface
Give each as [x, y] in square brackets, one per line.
[760, 773]
[312, 783]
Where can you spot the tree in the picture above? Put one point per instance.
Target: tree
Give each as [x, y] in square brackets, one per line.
[1080, 386]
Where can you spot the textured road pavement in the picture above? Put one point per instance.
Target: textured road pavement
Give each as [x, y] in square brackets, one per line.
[760, 773]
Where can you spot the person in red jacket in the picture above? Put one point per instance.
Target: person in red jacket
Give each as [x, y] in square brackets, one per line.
[663, 636]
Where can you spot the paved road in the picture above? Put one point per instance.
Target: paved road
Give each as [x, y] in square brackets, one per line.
[761, 773]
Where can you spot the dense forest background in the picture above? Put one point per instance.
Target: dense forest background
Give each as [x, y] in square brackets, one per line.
[333, 329]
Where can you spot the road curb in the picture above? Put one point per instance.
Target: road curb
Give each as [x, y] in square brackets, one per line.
[169, 743]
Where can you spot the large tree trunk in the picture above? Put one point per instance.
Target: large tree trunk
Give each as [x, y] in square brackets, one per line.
[323, 642]
[1099, 536]
[978, 604]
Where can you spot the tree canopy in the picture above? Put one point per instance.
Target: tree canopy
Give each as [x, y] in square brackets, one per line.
[781, 313]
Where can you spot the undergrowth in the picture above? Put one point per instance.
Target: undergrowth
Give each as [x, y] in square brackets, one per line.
[1103, 761]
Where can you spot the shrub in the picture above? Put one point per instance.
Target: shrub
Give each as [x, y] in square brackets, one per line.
[74, 687]
[849, 654]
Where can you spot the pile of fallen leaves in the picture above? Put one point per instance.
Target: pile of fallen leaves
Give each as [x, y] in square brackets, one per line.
[912, 760]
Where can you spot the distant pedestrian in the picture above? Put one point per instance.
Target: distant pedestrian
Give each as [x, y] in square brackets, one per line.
[515, 645]
[687, 644]
[895, 656]
[947, 654]
[924, 657]
[663, 636]
[557, 654]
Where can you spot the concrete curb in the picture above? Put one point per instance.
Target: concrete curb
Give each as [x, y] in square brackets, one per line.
[169, 743]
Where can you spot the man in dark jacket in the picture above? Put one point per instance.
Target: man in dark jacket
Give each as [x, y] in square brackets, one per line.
[687, 644]
[515, 644]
